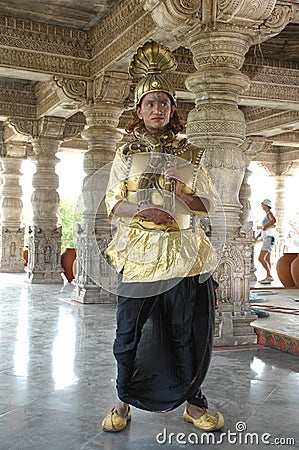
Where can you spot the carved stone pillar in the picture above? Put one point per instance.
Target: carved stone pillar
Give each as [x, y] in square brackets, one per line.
[281, 172]
[95, 280]
[218, 125]
[280, 210]
[244, 197]
[44, 246]
[11, 233]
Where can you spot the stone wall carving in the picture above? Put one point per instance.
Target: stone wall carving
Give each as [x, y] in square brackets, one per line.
[270, 122]
[43, 47]
[112, 37]
[11, 250]
[267, 71]
[114, 24]
[17, 100]
[278, 20]
[177, 16]
[184, 59]
[40, 37]
[279, 96]
[290, 140]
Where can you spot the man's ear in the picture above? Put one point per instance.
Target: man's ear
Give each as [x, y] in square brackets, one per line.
[138, 112]
[173, 108]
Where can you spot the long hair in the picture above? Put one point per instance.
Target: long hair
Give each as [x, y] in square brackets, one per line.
[175, 123]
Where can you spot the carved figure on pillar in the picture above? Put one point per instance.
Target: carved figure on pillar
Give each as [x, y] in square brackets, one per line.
[11, 250]
[44, 256]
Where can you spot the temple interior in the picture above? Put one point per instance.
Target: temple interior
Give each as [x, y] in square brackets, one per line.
[65, 99]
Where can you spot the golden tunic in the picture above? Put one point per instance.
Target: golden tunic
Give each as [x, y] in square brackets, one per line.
[147, 252]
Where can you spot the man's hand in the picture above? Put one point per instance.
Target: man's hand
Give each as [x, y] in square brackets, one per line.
[156, 215]
[193, 202]
[172, 173]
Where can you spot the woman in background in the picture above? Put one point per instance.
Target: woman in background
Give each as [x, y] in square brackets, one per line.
[267, 234]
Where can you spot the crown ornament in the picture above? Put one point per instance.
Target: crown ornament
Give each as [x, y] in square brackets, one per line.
[152, 62]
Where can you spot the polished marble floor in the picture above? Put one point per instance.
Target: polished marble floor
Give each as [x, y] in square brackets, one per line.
[57, 377]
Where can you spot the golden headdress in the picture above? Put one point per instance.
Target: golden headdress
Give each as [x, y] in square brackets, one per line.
[151, 62]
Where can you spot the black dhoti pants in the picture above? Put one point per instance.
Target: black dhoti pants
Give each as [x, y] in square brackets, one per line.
[163, 342]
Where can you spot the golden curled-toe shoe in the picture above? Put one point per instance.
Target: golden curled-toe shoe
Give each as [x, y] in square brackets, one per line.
[115, 422]
[206, 422]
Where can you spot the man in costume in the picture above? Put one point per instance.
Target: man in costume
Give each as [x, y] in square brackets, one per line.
[166, 297]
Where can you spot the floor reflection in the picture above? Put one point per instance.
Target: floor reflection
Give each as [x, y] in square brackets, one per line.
[21, 353]
[257, 365]
[63, 352]
[57, 378]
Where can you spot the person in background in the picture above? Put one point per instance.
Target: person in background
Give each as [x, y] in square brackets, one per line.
[166, 295]
[268, 237]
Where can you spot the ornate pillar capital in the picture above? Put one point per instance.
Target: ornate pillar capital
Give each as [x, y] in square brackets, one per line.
[49, 127]
[46, 127]
[253, 145]
[279, 168]
[112, 87]
[176, 16]
[71, 89]
[109, 86]
[15, 150]
[183, 18]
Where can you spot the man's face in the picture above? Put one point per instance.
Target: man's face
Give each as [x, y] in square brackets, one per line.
[156, 111]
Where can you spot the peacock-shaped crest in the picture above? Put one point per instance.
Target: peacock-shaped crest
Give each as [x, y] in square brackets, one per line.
[151, 63]
[151, 58]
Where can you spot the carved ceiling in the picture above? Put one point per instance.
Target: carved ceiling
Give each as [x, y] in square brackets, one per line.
[41, 40]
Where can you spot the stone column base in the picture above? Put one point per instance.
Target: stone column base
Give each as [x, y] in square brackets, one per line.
[234, 329]
[92, 294]
[47, 277]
